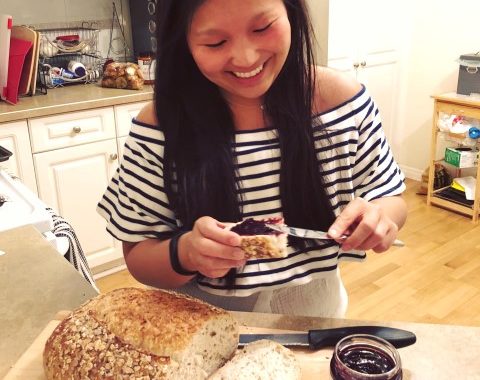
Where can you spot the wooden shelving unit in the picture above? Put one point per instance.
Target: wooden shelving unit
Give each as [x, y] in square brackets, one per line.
[453, 103]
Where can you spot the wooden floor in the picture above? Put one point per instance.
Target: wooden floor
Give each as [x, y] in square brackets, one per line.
[435, 278]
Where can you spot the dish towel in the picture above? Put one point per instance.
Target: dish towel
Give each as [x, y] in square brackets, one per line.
[75, 255]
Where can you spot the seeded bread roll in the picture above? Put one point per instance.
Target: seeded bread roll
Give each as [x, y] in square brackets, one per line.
[260, 360]
[260, 241]
[141, 334]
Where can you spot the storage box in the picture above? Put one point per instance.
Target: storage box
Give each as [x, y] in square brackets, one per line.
[469, 74]
[461, 157]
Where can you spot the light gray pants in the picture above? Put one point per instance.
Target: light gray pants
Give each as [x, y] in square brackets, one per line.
[323, 297]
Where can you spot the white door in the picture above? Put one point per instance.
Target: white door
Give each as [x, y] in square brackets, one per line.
[14, 137]
[381, 81]
[364, 42]
[72, 181]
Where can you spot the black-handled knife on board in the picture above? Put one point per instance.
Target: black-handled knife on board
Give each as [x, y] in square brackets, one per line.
[316, 339]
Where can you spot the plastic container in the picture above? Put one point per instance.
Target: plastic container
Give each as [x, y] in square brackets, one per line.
[77, 68]
[461, 157]
[365, 357]
[469, 74]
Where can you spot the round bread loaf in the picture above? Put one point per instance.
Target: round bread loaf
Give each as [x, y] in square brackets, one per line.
[141, 334]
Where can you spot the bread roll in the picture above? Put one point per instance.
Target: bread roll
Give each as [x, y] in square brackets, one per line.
[141, 334]
[260, 360]
[122, 75]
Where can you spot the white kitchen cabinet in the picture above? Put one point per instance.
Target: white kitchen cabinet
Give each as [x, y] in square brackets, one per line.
[364, 42]
[124, 114]
[74, 156]
[14, 137]
[70, 129]
[121, 144]
[72, 180]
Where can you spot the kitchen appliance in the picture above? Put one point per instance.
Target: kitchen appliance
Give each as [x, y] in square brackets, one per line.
[19, 207]
[142, 16]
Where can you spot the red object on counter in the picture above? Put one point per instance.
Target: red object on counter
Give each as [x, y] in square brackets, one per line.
[70, 37]
[18, 51]
[5, 34]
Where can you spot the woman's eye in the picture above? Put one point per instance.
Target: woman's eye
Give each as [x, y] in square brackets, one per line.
[218, 44]
[264, 28]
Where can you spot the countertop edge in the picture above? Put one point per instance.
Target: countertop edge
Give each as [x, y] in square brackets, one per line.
[58, 101]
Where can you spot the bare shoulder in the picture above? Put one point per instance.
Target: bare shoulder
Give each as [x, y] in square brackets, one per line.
[147, 114]
[333, 88]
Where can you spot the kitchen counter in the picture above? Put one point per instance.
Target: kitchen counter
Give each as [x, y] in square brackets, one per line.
[35, 282]
[69, 99]
[442, 352]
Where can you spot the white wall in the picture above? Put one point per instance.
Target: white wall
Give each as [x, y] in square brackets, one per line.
[435, 34]
[319, 16]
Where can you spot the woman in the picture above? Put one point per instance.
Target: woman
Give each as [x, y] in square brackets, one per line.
[245, 125]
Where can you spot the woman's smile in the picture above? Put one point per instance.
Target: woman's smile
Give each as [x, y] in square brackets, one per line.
[249, 74]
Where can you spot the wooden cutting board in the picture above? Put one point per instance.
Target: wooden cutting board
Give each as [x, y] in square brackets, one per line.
[315, 364]
[33, 79]
[26, 34]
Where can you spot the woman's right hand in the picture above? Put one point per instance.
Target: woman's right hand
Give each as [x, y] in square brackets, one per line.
[210, 249]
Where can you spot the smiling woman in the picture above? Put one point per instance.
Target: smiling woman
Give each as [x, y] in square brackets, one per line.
[240, 46]
[245, 125]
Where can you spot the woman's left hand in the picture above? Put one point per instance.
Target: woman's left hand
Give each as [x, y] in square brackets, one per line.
[367, 225]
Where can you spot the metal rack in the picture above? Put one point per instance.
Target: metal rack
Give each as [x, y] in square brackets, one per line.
[54, 53]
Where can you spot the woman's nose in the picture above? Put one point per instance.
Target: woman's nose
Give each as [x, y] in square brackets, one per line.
[244, 54]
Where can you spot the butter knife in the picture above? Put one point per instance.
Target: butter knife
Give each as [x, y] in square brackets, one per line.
[316, 339]
[312, 234]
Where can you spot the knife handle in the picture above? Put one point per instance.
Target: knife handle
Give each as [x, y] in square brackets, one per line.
[329, 337]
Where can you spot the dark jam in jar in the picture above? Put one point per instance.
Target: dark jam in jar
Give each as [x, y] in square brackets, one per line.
[363, 357]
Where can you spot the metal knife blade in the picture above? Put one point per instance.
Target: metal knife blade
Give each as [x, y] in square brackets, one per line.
[312, 234]
[316, 339]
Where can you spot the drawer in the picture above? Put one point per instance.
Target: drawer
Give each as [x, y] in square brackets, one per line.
[124, 114]
[458, 109]
[70, 129]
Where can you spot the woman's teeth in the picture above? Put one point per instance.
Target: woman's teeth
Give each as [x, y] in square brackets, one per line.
[249, 74]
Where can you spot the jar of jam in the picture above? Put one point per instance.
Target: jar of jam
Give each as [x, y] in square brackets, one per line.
[146, 64]
[365, 357]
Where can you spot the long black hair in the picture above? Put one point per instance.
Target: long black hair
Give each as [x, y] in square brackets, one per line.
[199, 167]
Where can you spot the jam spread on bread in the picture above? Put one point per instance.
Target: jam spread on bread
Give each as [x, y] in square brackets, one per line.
[252, 226]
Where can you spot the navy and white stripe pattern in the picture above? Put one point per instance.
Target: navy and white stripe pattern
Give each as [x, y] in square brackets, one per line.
[351, 151]
[75, 254]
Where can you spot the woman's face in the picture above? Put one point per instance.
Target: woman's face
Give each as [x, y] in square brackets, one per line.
[240, 45]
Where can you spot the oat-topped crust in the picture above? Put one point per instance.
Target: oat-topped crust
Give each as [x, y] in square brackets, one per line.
[163, 321]
[140, 334]
[84, 348]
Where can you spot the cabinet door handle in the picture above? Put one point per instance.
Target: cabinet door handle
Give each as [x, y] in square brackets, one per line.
[356, 65]
[113, 156]
[77, 129]
[363, 63]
